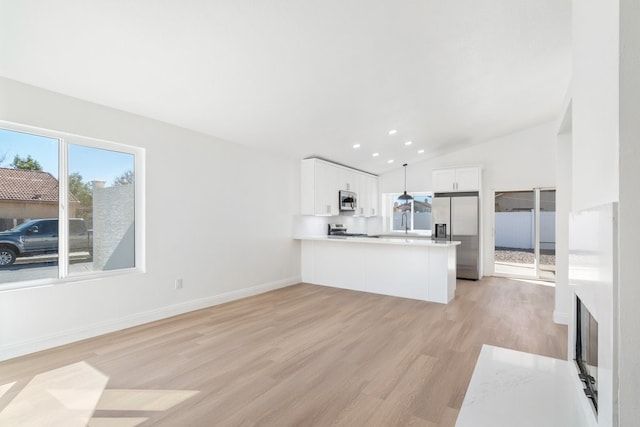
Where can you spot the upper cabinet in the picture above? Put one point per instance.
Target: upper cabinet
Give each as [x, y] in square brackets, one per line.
[319, 188]
[347, 179]
[321, 182]
[367, 192]
[456, 179]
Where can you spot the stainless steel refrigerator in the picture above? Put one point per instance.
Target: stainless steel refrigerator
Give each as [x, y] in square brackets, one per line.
[459, 213]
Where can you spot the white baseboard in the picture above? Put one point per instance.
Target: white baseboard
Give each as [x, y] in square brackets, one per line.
[560, 317]
[96, 329]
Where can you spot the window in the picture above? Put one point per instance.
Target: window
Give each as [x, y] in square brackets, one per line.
[67, 205]
[105, 209]
[414, 215]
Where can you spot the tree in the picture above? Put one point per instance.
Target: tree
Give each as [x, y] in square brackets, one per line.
[81, 190]
[84, 193]
[29, 163]
[126, 178]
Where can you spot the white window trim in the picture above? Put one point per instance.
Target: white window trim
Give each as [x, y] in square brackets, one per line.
[65, 139]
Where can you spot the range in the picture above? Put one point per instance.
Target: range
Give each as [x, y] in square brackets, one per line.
[339, 230]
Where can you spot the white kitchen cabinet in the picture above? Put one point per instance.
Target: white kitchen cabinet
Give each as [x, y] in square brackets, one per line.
[319, 188]
[367, 195]
[468, 179]
[373, 195]
[371, 265]
[444, 180]
[363, 208]
[321, 182]
[348, 180]
[456, 179]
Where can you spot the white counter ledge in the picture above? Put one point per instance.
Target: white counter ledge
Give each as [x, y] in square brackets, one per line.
[382, 240]
[404, 267]
[512, 388]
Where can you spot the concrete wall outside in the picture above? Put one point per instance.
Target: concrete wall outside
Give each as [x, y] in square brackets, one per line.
[113, 227]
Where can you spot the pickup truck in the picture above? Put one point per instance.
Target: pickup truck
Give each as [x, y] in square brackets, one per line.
[40, 236]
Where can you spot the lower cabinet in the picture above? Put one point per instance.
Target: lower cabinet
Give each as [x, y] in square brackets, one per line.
[428, 270]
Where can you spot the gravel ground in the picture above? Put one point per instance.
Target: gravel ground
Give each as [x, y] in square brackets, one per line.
[523, 256]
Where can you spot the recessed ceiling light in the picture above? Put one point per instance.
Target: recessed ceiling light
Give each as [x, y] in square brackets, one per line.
[389, 161]
[356, 145]
[420, 151]
[408, 143]
[375, 154]
[393, 131]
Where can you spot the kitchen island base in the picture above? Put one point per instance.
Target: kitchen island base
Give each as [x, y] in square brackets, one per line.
[410, 268]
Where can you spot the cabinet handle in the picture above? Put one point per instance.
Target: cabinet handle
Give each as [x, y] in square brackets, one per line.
[328, 208]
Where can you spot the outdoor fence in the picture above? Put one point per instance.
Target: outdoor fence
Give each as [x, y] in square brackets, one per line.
[517, 230]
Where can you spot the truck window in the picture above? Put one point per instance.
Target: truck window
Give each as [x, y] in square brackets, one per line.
[48, 227]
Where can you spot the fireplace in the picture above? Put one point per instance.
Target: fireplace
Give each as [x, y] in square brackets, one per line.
[587, 351]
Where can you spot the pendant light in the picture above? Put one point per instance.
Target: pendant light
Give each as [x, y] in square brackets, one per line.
[405, 197]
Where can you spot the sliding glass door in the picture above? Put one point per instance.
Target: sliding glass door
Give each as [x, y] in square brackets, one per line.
[547, 237]
[524, 226]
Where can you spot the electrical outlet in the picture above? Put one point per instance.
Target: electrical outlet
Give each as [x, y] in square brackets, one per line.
[178, 283]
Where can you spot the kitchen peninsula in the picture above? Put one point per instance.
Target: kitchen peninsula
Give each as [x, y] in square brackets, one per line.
[409, 268]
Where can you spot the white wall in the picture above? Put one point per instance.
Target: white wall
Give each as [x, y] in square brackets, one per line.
[595, 103]
[629, 214]
[236, 206]
[518, 161]
[606, 167]
[563, 300]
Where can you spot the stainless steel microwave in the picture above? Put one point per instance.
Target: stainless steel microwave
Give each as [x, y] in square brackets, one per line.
[348, 201]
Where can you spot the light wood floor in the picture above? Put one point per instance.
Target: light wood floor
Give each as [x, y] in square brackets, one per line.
[315, 356]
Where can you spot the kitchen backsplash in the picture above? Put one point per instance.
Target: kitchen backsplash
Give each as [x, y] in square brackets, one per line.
[305, 225]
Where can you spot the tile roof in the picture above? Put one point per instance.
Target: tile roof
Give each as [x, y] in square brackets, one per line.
[26, 185]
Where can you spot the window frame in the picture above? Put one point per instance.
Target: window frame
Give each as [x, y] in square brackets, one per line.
[391, 198]
[64, 140]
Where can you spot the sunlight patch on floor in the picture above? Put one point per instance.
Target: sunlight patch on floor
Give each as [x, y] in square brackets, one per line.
[70, 395]
[536, 282]
[5, 388]
[61, 397]
[142, 400]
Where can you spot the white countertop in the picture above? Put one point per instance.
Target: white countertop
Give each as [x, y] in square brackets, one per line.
[513, 388]
[381, 241]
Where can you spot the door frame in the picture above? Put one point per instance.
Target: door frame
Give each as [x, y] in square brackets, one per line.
[536, 250]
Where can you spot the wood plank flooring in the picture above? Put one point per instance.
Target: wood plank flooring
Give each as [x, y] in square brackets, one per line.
[313, 356]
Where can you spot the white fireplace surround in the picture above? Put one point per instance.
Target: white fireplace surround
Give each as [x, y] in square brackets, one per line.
[592, 277]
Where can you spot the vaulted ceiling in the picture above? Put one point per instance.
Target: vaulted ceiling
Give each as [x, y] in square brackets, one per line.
[305, 78]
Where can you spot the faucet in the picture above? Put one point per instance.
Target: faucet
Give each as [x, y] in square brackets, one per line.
[405, 222]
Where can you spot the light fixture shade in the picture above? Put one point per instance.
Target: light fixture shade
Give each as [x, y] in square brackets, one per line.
[405, 197]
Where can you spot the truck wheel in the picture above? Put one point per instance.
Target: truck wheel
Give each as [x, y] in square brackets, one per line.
[7, 256]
